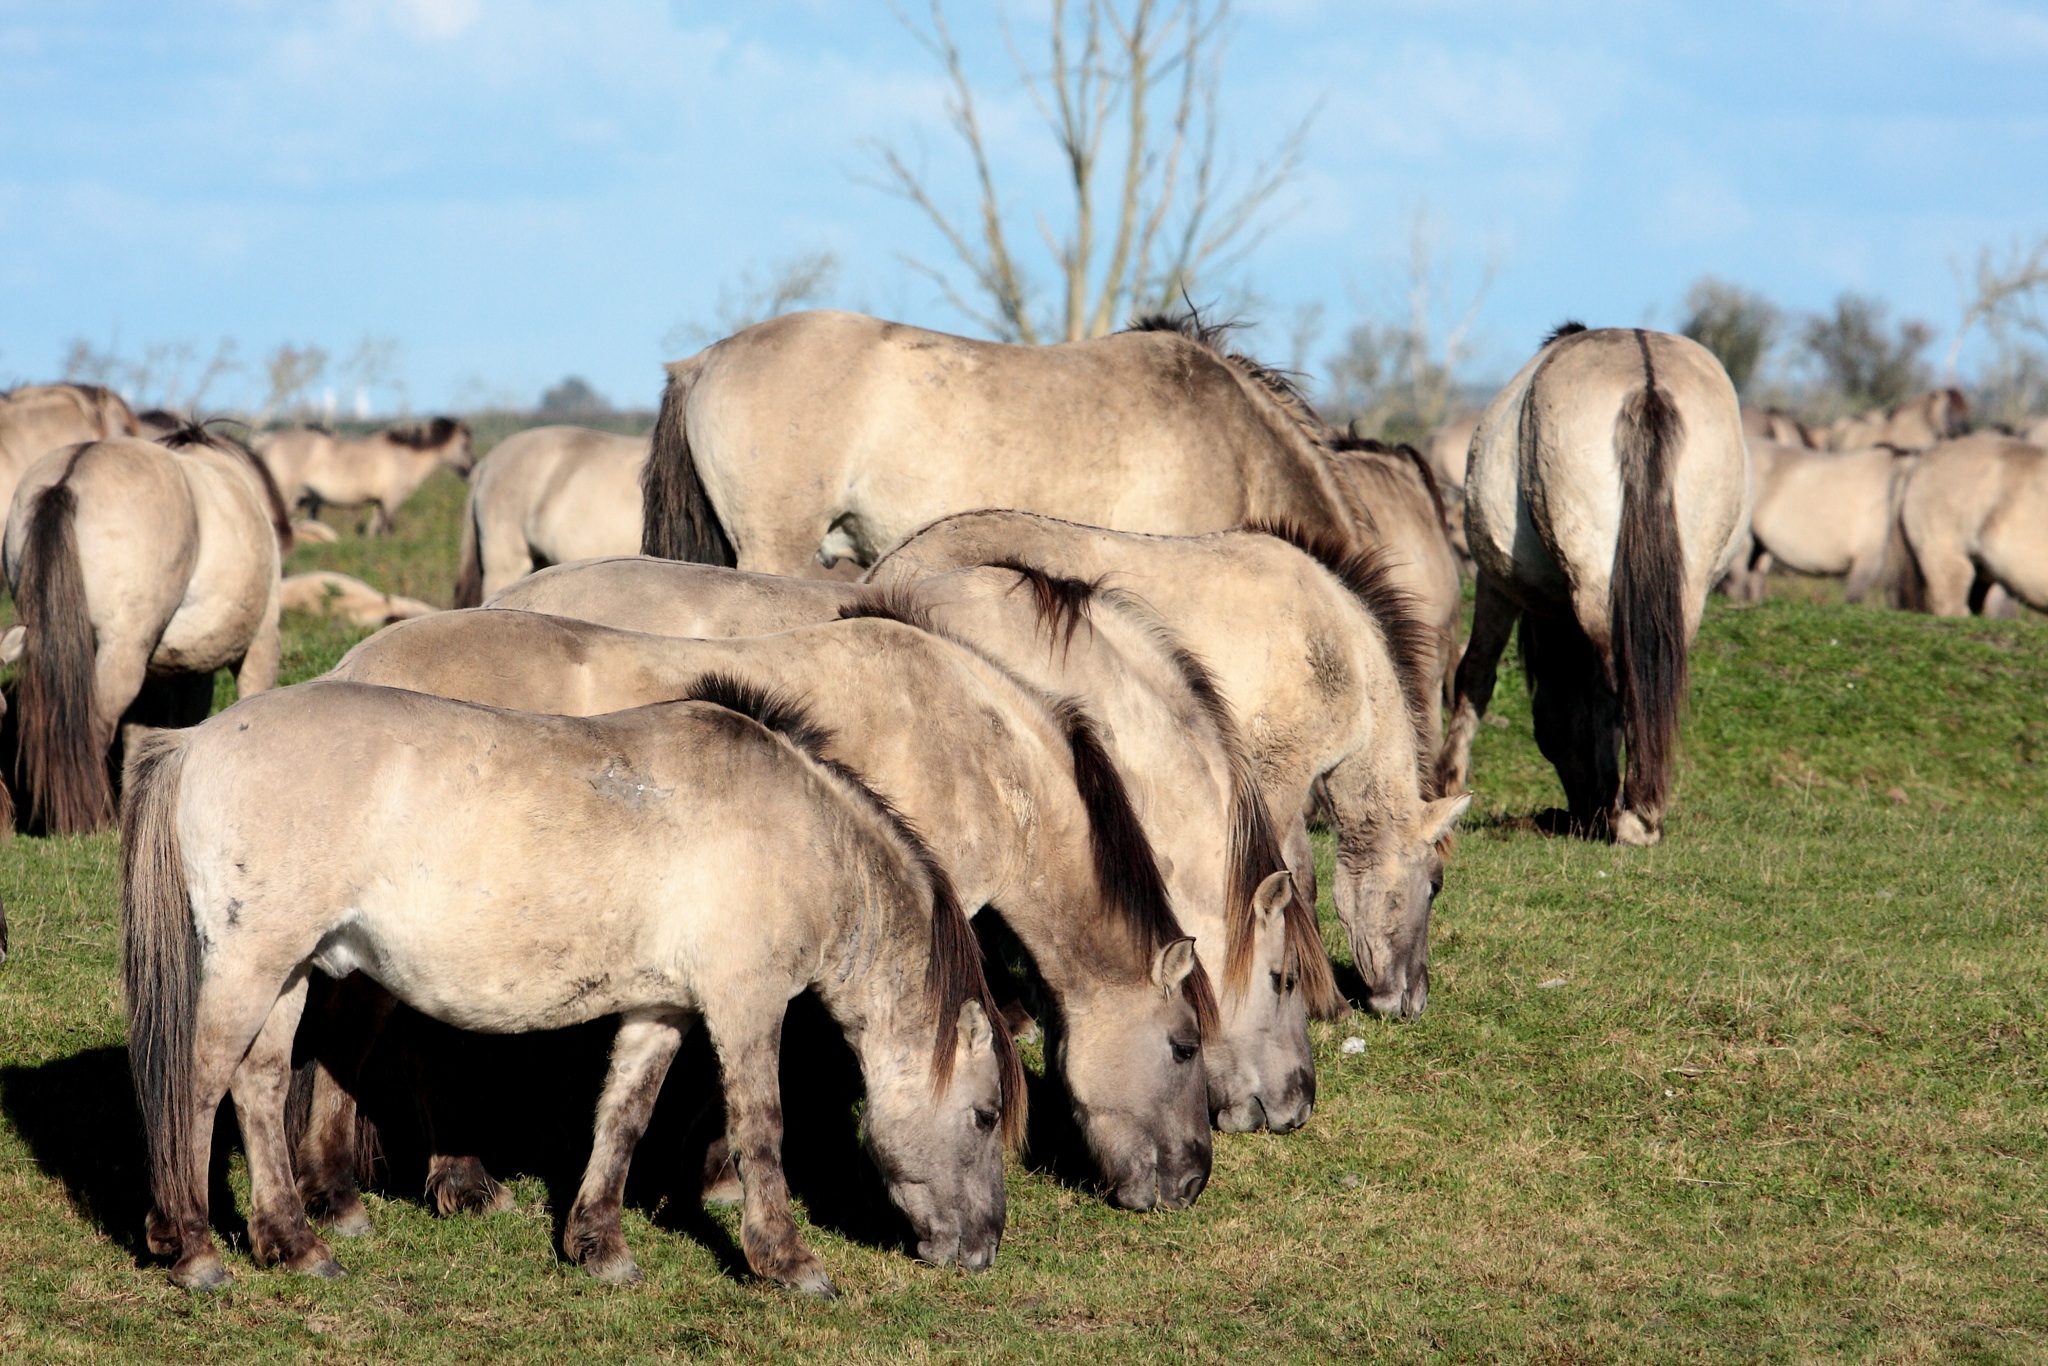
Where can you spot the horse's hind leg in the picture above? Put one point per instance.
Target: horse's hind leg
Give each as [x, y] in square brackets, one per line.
[1577, 717]
[1493, 621]
[457, 1182]
[258, 670]
[277, 1220]
[349, 1020]
[749, 1056]
[646, 1045]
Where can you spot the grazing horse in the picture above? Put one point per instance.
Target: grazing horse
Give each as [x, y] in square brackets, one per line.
[1399, 510]
[318, 468]
[820, 437]
[1013, 792]
[1915, 425]
[38, 418]
[139, 569]
[1608, 490]
[549, 495]
[1172, 741]
[1975, 514]
[1323, 665]
[507, 873]
[1824, 513]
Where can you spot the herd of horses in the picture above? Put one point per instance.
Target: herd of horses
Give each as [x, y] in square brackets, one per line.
[885, 638]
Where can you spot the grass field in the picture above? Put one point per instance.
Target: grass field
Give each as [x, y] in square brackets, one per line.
[1771, 1091]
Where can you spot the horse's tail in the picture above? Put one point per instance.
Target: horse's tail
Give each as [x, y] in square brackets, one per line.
[677, 519]
[160, 966]
[1905, 585]
[469, 580]
[1647, 593]
[61, 759]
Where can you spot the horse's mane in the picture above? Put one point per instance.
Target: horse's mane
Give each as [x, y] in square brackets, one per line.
[1343, 444]
[1126, 869]
[1214, 337]
[428, 435]
[1366, 576]
[194, 432]
[953, 974]
[1254, 853]
[1568, 327]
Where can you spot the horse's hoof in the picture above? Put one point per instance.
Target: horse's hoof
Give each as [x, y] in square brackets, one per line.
[1630, 830]
[353, 1223]
[201, 1273]
[813, 1282]
[327, 1270]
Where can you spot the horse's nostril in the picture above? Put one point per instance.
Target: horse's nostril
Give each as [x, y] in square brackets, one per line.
[1192, 1187]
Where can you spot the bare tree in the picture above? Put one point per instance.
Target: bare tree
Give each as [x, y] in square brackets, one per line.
[805, 281]
[1738, 325]
[2006, 298]
[1398, 374]
[291, 371]
[1861, 367]
[166, 374]
[1130, 95]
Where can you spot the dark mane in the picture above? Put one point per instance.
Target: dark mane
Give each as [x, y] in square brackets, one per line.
[426, 436]
[194, 432]
[1062, 602]
[1254, 852]
[1215, 338]
[1564, 329]
[896, 602]
[953, 973]
[1366, 577]
[1372, 446]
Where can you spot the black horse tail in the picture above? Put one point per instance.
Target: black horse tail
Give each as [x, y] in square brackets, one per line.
[1647, 594]
[1905, 585]
[469, 580]
[62, 760]
[677, 519]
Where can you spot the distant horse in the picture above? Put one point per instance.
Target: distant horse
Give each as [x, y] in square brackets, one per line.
[506, 873]
[1400, 510]
[38, 418]
[546, 496]
[821, 437]
[1776, 426]
[1446, 449]
[1173, 743]
[1013, 792]
[1914, 425]
[1975, 514]
[319, 469]
[1825, 513]
[1323, 665]
[324, 593]
[2035, 433]
[139, 569]
[1608, 489]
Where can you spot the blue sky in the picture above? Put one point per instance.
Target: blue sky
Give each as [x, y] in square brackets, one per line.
[515, 191]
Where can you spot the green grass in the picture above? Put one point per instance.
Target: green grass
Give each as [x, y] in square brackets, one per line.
[1770, 1091]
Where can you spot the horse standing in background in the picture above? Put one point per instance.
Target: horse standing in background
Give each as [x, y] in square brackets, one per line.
[1607, 492]
[39, 418]
[318, 468]
[1975, 515]
[549, 495]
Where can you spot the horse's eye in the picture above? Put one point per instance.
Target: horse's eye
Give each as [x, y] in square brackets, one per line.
[1185, 1052]
[1284, 983]
[985, 1120]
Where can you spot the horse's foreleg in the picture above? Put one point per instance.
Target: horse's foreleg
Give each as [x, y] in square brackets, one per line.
[646, 1045]
[750, 1060]
[277, 1220]
[1950, 574]
[258, 670]
[349, 1019]
[380, 519]
[1493, 621]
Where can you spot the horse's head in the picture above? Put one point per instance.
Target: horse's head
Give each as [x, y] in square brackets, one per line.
[940, 1148]
[455, 448]
[1262, 1071]
[1131, 1055]
[1385, 886]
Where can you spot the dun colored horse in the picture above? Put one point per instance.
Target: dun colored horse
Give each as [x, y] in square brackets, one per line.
[1012, 791]
[821, 437]
[505, 873]
[318, 468]
[1975, 514]
[1824, 513]
[1608, 489]
[1915, 425]
[546, 496]
[139, 569]
[39, 418]
[1322, 663]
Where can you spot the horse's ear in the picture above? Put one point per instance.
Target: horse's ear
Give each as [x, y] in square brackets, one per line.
[1273, 894]
[12, 644]
[974, 1027]
[1440, 815]
[1172, 964]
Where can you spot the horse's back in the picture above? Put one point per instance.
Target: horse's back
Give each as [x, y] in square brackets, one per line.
[677, 598]
[1820, 511]
[588, 503]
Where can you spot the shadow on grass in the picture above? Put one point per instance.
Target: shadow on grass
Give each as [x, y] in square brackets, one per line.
[78, 1117]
